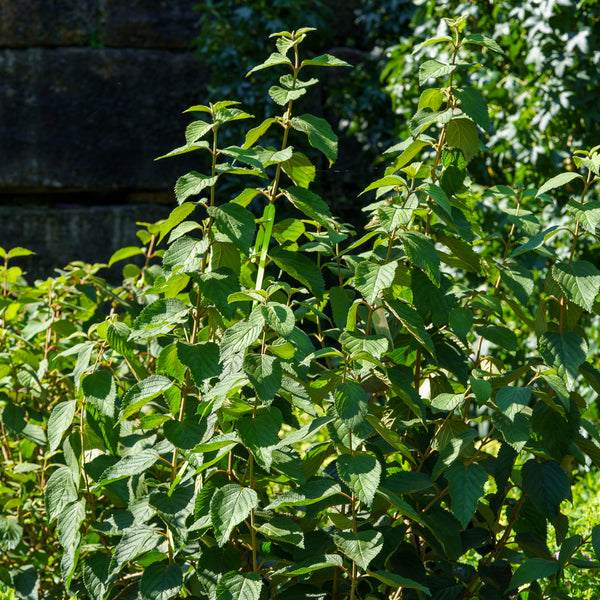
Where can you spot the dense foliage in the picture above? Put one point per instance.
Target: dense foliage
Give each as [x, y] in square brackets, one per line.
[278, 407]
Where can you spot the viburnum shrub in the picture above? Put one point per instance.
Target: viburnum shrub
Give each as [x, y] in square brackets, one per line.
[279, 407]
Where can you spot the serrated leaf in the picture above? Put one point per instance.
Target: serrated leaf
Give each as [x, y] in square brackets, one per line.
[462, 133]
[502, 336]
[579, 280]
[473, 103]
[300, 170]
[587, 214]
[192, 184]
[124, 253]
[357, 343]
[143, 392]
[300, 268]
[275, 59]
[59, 421]
[320, 135]
[202, 359]
[99, 388]
[431, 98]
[283, 529]
[361, 547]
[133, 464]
[229, 506]
[279, 317]
[239, 586]
[425, 117]
[95, 575]
[461, 321]
[547, 485]
[321, 561]
[161, 581]
[159, 318]
[185, 434]
[183, 255]
[422, 253]
[236, 223]
[282, 96]
[484, 40]
[136, 540]
[351, 403]
[325, 60]
[398, 581]
[60, 491]
[438, 195]
[313, 491]
[11, 532]
[596, 541]
[70, 519]
[558, 181]
[535, 241]
[361, 473]
[413, 322]
[241, 335]
[260, 434]
[372, 278]
[309, 204]
[389, 181]
[465, 485]
[565, 352]
[519, 280]
[433, 69]
[532, 570]
[265, 374]
[203, 145]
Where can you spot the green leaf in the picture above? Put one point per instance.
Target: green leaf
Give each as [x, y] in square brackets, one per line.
[99, 388]
[239, 586]
[431, 98]
[192, 184]
[433, 69]
[161, 581]
[389, 181]
[229, 506]
[18, 251]
[579, 280]
[535, 241]
[503, 337]
[60, 491]
[282, 96]
[136, 540]
[283, 529]
[279, 318]
[202, 359]
[461, 321]
[184, 255]
[196, 130]
[358, 343]
[159, 318]
[185, 434]
[309, 204]
[143, 392]
[300, 268]
[351, 404]
[422, 253]
[133, 464]
[236, 223]
[462, 133]
[512, 400]
[481, 388]
[372, 278]
[203, 145]
[320, 135]
[95, 575]
[558, 181]
[313, 491]
[11, 532]
[124, 253]
[218, 284]
[438, 195]
[309, 565]
[325, 60]
[69, 521]
[300, 170]
[265, 374]
[465, 485]
[587, 214]
[565, 352]
[596, 541]
[532, 570]
[257, 132]
[398, 581]
[547, 485]
[483, 40]
[361, 547]
[361, 473]
[474, 105]
[275, 59]
[519, 280]
[260, 434]
[241, 335]
[59, 421]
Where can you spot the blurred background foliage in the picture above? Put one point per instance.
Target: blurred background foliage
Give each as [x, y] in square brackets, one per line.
[542, 93]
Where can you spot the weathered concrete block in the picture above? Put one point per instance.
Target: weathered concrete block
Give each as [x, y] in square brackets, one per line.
[64, 234]
[95, 119]
[27, 23]
[150, 23]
